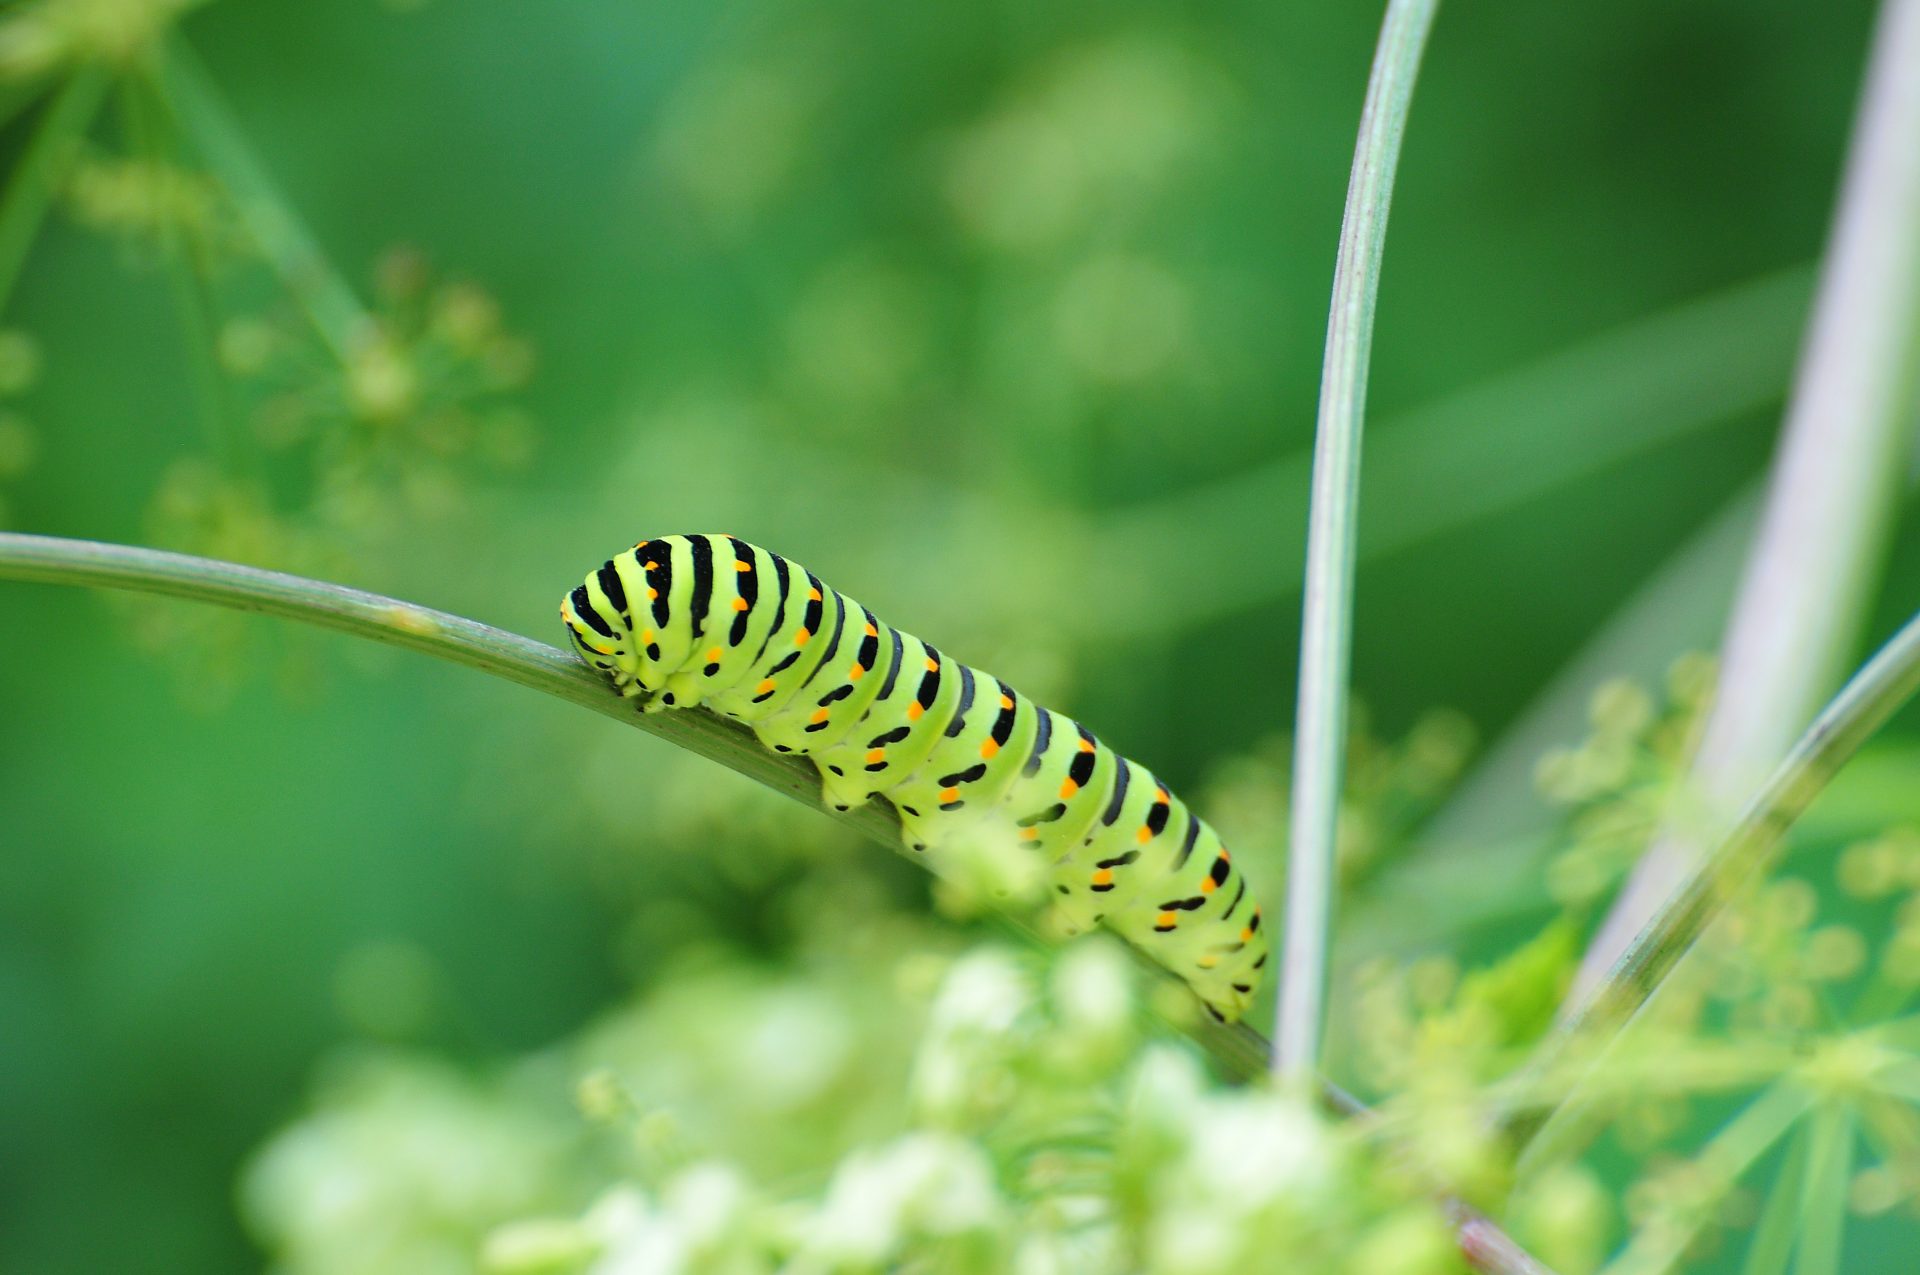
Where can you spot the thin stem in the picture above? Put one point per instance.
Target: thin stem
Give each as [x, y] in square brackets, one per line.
[1876, 692]
[330, 304]
[1241, 1051]
[1327, 610]
[1771, 1247]
[31, 185]
[1835, 483]
[1823, 1191]
[1486, 1247]
[49, 560]
[382, 619]
[151, 135]
[1721, 1163]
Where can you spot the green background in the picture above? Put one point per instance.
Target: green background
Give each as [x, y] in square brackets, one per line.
[974, 309]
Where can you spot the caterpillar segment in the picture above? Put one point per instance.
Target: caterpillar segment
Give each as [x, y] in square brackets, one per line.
[892, 735]
[793, 652]
[1068, 777]
[711, 621]
[789, 710]
[977, 758]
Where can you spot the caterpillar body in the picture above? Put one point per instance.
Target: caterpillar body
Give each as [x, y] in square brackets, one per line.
[713, 622]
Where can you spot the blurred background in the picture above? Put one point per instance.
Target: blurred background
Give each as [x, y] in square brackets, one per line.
[1006, 319]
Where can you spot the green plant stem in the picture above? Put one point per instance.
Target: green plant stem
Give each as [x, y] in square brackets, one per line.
[449, 637]
[1327, 610]
[1875, 693]
[1480, 858]
[330, 304]
[150, 135]
[30, 186]
[1835, 484]
[50, 560]
[1731, 1153]
[1771, 1247]
[1823, 1191]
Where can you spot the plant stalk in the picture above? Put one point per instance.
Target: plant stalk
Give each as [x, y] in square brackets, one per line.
[1835, 483]
[1327, 609]
[331, 305]
[36, 177]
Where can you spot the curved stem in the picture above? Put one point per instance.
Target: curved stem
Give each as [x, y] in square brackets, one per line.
[1239, 1049]
[1327, 611]
[449, 637]
[1836, 482]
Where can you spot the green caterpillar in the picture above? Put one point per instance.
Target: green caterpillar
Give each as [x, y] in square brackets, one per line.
[712, 621]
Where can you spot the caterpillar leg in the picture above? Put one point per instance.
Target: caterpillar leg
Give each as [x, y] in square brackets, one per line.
[842, 794]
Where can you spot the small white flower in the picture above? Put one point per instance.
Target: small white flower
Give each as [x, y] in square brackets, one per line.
[705, 1201]
[974, 1013]
[1247, 1151]
[923, 1184]
[1093, 987]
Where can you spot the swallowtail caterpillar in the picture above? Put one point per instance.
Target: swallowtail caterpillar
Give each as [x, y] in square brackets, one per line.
[712, 622]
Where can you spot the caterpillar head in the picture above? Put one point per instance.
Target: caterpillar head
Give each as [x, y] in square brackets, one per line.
[599, 632]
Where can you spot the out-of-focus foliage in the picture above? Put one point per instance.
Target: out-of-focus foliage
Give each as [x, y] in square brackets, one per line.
[1031, 1129]
[1623, 780]
[1007, 320]
[847, 1110]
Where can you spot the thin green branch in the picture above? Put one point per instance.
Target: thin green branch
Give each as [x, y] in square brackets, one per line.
[1888, 681]
[415, 628]
[1721, 1163]
[1240, 1050]
[1835, 486]
[150, 133]
[1479, 859]
[330, 304]
[34, 179]
[1327, 610]
[48, 560]
[1771, 1247]
[1823, 1192]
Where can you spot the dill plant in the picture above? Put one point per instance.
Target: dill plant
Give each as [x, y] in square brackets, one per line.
[1037, 1116]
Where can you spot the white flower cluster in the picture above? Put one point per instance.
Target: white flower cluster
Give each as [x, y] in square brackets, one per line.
[742, 1122]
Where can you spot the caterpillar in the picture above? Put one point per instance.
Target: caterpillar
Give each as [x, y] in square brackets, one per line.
[713, 622]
